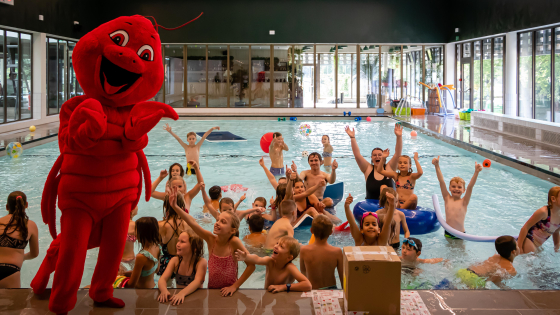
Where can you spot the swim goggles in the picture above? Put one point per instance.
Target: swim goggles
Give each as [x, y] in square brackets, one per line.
[411, 243]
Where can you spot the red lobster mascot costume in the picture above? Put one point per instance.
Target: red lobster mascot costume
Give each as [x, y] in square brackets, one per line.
[98, 176]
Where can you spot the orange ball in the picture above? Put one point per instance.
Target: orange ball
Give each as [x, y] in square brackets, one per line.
[486, 163]
[413, 133]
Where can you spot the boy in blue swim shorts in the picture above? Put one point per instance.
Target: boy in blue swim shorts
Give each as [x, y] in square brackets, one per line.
[276, 152]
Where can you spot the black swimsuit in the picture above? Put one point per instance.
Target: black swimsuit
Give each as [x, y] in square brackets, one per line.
[166, 256]
[373, 186]
[6, 240]
[184, 280]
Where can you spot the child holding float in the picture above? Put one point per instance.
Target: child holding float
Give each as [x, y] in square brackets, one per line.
[368, 232]
[222, 243]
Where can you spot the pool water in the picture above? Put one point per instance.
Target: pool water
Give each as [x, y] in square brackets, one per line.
[502, 200]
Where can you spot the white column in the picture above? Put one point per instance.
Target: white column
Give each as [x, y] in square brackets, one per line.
[511, 74]
[449, 68]
[39, 76]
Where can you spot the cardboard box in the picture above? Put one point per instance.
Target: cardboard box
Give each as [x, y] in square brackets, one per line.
[372, 280]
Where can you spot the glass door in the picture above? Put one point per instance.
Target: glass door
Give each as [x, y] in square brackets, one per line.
[307, 80]
[466, 79]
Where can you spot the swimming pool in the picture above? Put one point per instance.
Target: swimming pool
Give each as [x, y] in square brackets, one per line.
[502, 200]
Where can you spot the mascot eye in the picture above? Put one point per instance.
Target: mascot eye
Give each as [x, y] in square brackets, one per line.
[146, 53]
[119, 37]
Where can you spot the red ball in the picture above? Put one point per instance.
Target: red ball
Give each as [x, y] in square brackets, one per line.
[486, 163]
[265, 142]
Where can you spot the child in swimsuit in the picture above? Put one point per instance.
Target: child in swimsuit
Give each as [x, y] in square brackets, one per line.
[16, 231]
[222, 243]
[495, 268]
[215, 194]
[276, 152]
[169, 230]
[188, 268]
[179, 182]
[405, 179]
[127, 261]
[542, 224]
[410, 254]
[280, 271]
[398, 220]
[455, 206]
[192, 149]
[146, 264]
[226, 205]
[327, 151]
[257, 238]
[368, 232]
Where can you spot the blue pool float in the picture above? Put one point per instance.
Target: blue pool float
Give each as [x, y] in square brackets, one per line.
[419, 221]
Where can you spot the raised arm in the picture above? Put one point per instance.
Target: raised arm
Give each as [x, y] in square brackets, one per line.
[269, 175]
[310, 191]
[354, 228]
[243, 213]
[404, 225]
[363, 164]
[251, 258]
[383, 239]
[285, 147]
[419, 171]
[206, 134]
[208, 202]
[168, 129]
[33, 241]
[468, 193]
[383, 171]
[398, 147]
[290, 185]
[271, 216]
[157, 194]
[200, 231]
[331, 178]
[441, 181]
[239, 202]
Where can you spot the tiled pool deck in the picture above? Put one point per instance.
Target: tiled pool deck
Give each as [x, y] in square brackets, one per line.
[260, 302]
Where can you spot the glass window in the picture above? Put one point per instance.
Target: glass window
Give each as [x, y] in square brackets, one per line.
[369, 76]
[239, 63]
[525, 79]
[2, 79]
[498, 75]
[390, 73]
[543, 65]
[52, 76]
[196, 75]
[12, 74]
[487, 74]
[413, 73]
[476, 75]
[434, 66]
[325, 76]
[260, 76]
[557, 75]
[25, 91]
[62, 58]
[174, 75]
[347, 82]
[218, 76]
[304, 78]
[74, 86]
[282, 59]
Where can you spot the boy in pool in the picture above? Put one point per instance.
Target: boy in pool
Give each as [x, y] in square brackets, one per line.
[192, 149]
[455, 206]
[257, 238]
[410, 254]
[495, 268]
[280, 271]
[276, 152]
[215, 194]
[319, 260]
[314, 175]
[327, 151]
[282, 226]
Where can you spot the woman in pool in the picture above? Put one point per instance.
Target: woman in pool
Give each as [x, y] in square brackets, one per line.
[541, 225]
[374, 180]
[16, 230]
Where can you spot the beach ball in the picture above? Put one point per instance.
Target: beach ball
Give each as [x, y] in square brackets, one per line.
[265, 141]
[305, 154]
[305, 129]
[368, 119]
[413, 133]
[486, 163]
[32, 128]
[14, 150]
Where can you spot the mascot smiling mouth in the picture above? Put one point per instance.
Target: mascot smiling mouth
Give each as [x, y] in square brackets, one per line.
[114, 79]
